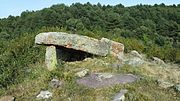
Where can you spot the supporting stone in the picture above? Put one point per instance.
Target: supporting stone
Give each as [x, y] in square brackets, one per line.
[51, 58]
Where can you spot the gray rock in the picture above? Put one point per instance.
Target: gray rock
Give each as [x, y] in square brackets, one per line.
[135, 61]
[99, 80]
[55, 83]
[164, 84]
[44, 95]
[116, 49]
[78, 42]
[103, 76]
[120, 96]
[116, 65]
[177, 87]
[158, 61]
[87, 59]
[121, 56]
[7, 98]
[51, 58]
[136, 54]
[82, 73]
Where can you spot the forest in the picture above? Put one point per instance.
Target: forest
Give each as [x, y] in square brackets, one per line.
[153, 30]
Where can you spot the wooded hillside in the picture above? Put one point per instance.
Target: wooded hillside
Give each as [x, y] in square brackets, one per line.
[153, 30]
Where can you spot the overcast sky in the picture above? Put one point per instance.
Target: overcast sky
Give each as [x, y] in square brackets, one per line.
[15, 7]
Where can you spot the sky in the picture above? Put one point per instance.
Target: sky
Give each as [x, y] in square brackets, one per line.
[16, 7]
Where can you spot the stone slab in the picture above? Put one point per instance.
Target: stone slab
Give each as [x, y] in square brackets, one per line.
[94, 46]
[99, 80]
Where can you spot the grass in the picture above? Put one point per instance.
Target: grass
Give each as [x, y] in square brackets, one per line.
[145, 89]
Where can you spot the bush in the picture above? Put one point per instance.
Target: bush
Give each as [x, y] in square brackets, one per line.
[131, 44]
[14, 61]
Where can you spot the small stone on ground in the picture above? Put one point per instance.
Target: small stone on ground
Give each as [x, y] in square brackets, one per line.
[55, 83]
[177, 88]
[7, 98]
[82, 73]
[44, 95]
[158, 61]
[164, 84]
[135, 54]
[135, 61]
[120, 96]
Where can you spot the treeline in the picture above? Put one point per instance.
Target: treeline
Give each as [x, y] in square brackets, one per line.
[159, 22]
[153, 30]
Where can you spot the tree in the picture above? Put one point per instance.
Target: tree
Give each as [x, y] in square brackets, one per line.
[74, 25]
[128, 22]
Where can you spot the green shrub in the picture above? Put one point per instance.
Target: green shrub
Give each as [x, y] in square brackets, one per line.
[16, 58]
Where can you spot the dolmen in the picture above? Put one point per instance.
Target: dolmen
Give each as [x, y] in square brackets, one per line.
[54, 40]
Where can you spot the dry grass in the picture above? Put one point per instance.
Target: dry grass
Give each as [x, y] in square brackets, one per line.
[169, 73]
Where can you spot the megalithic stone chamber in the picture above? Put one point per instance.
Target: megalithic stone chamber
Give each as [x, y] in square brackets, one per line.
[87, 44]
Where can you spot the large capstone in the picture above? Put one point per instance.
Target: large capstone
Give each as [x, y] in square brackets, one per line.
[78, 42]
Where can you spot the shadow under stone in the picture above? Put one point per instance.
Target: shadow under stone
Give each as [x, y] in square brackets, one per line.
[70, 55]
